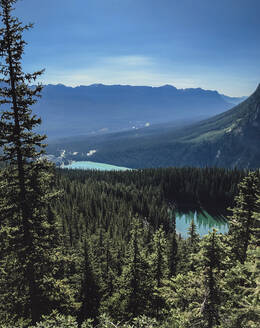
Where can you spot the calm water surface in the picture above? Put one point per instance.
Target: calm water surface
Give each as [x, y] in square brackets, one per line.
[204, 223]
[86, 165]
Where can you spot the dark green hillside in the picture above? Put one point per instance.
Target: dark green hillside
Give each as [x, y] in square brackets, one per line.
[230, 139]
[234, 122]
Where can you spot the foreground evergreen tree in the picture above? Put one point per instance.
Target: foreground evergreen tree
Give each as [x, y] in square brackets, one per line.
[31, 278]
[159, 267]
[211, 251]
[241, 281]
[243, 224]
[159, 260]
[193, 239]
[173, 245]
[135, 293]
[250, 302]
[89, 294]
[193, 244]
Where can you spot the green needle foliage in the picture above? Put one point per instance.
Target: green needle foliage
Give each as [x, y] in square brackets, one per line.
[89, 295]
[244, 224]
[134, 295]
[212, 254]
[30, 279]
[159, 268]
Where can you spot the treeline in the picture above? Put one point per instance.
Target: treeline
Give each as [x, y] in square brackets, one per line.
[109, 200]
[211, 189]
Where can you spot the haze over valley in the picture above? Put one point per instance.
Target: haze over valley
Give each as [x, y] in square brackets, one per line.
[98, 108]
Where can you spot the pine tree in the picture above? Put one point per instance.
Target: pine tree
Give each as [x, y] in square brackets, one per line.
[243, 223]
[159, 266]
[159, 261]
[135, 292]
[241, 284]
[211, 251]
[193, 239]
[105, 264]
[250, 300]
[29, 236]
[173, 245]
[193, 244]
[89, 294]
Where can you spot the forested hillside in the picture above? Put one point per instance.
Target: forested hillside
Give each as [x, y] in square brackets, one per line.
[123, 261]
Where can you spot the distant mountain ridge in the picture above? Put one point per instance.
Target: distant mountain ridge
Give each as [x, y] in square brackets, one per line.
[230, 139]
[98, 108]
[233, 100]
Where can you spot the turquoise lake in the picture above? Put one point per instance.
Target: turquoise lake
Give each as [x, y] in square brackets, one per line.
[86, 165]
[204, 223]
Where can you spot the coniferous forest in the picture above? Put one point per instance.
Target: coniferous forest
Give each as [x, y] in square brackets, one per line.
[100, 249]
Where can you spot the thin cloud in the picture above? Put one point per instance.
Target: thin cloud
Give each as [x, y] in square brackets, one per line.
[128, 61]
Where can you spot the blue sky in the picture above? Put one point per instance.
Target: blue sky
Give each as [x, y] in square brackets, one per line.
[187, 43]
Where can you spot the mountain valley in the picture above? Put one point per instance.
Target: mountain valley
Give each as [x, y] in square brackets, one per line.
[230, 139]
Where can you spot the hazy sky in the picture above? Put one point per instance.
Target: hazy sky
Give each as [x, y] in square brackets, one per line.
[213, 44]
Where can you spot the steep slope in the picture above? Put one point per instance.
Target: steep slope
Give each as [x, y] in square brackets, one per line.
[233, 100]
[230, 139]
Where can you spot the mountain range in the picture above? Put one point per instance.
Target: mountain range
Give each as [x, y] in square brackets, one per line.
[98, 108]
[229, 139]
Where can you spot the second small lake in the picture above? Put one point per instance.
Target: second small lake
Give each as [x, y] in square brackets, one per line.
[204, 223]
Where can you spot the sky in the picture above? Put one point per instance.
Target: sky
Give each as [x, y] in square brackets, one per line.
[212, 44]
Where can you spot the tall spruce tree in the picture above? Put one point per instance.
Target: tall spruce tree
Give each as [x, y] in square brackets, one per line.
[243, 223]
[250, 301]
[89, 293]
[159, 267]
[194, 237]
[193, 245]
[212, 254]
[173, 245]
[30, 279]
[135, 293]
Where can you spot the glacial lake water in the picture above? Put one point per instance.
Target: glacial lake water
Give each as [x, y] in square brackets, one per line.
[204, 223]
[86, 165]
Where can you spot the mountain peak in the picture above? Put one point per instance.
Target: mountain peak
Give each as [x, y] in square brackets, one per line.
[168, 86]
